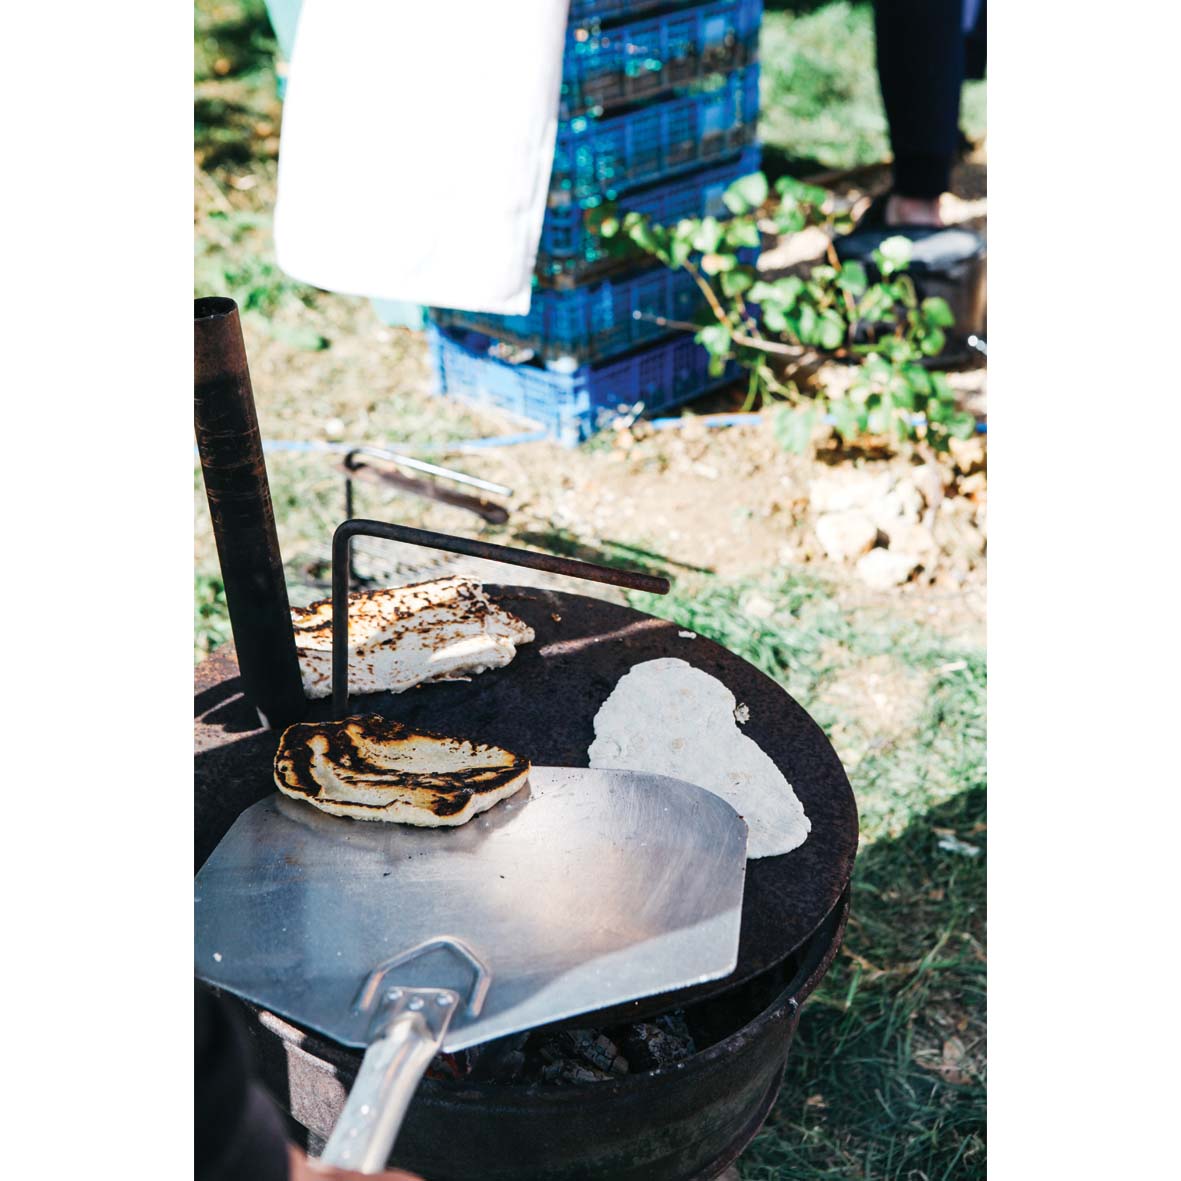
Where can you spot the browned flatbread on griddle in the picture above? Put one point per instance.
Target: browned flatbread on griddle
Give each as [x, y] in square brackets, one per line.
[442, 630]
[371, 768]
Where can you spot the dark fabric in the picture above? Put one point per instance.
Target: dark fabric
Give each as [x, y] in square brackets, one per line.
[238, 1133]
[920, 51]
[976, 47]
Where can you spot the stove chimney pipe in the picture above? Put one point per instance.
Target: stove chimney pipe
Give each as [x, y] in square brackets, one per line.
[239, 496]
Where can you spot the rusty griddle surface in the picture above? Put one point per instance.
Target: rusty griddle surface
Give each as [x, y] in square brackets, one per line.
[543, 706]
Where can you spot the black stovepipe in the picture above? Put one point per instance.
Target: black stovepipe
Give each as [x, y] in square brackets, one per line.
[239, 495]
[232, 462]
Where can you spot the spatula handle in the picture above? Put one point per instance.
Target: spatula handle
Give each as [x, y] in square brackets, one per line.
[390, 1073]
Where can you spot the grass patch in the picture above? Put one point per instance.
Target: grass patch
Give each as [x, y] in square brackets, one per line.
[886, 1080]
[211, 623]
[821, 107]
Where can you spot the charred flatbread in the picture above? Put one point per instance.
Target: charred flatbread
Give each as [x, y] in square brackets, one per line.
[371, 768]
[446, 629]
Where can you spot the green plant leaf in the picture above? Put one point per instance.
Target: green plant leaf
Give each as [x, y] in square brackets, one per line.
[939, 412]
[646, 237]
[813, 195]
[809, 324]
[774, 319]
[893, 255]
[932, 342]
[917, 378]
[847, 418]
[900, 391]
[609, 227]
[717, 366]
[678, 251]
[742, 232]
[709, 235]
[738, 280]
[962, 425]
[793, 427]
[789, 186]
[788, 290]
[878, 420]
[746, 193]
[876, 370]
[942, 387]
[852, 278]
[789, 221]
[831, 330]
[937, 312]
[716, 338]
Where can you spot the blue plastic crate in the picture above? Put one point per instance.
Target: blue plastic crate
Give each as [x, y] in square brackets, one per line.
[641, 59]
[573, 251]
[615, 9]
[570, 407]
[600, 159]
[590, 323]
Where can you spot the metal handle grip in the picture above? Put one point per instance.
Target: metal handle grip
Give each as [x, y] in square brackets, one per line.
[390, 1073]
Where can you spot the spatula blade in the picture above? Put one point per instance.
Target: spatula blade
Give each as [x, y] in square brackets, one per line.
[588, 888]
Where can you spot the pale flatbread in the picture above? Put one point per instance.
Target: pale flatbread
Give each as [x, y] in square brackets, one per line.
[370, 768]
[669, 718]
[443, 630]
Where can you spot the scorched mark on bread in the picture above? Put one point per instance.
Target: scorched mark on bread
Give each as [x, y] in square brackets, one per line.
[371, 768]
[406, 636]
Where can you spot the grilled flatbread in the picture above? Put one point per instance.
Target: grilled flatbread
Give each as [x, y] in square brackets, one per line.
[667, 717]
[443, 630]
[374, 769]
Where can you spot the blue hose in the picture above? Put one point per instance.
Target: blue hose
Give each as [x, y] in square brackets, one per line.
[710, 421]
[720, 420]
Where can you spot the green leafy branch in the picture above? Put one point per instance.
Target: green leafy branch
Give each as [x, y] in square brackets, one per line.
[780, 330]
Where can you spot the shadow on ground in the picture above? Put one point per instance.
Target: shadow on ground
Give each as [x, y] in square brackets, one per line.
[886, 1076]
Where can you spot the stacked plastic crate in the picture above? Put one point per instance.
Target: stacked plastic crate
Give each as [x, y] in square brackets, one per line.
[659, 109]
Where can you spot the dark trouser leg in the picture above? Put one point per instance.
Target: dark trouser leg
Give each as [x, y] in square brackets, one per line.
[920, 50]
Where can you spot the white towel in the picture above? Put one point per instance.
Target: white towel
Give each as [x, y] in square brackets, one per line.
[416, 150]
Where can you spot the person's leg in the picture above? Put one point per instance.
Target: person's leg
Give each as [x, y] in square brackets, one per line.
[920, 55]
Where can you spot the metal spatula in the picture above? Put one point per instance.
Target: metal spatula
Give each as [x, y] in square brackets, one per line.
[587, 888]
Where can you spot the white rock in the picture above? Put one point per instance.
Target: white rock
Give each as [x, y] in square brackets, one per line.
[884, 568]
[842, 489]
[901, 504]
[969, 454]
[845, 535]
[912, 539]
[928, 479]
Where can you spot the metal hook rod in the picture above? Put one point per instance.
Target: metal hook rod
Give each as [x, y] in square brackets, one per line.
[511, 555]
[430, 469]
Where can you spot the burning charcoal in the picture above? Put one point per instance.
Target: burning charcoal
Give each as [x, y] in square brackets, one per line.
[501, 1061]
[451, 1066]
[570, 1072]
[578, 1056]
[662, 1042]
[594, 1049]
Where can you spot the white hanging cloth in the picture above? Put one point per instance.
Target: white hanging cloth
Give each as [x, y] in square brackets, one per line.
[416, 148]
